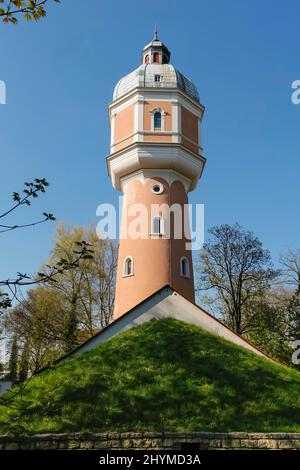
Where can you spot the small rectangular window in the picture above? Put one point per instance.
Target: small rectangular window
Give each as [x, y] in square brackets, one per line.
[156, 226]
[157, 78]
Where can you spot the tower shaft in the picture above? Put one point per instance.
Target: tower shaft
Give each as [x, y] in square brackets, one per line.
[155, 160]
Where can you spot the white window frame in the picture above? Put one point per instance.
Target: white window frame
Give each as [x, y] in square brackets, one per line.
[163, 120]
[188, 274]
[160, 186]
[125, 274]
[161, 225]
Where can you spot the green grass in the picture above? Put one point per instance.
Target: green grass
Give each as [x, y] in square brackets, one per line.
[163, 375]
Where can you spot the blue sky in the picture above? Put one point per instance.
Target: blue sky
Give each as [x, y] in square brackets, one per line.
[60, 75]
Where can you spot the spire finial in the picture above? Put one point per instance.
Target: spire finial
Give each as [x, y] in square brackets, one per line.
[155, 37]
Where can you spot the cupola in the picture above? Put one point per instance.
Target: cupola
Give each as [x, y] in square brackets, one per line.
[155, 52]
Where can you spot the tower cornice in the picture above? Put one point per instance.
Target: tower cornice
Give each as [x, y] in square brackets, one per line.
[154, 155]
[159, 91]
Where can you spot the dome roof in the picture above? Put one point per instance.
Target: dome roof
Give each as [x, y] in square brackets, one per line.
[144, 76]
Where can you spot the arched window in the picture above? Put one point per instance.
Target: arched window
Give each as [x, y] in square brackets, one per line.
[157, 225]
[165, 59]
[157, 120]
[184, 267]
[147, 60]
[156, 57]
[128, 266]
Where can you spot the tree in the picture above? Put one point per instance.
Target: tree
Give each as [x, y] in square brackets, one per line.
[290, 262]
[236, 268]
[30, 192]
[13, 359]
[88, 289]
[70, 306]
[24, 363]
[70, 334]
[29, 9]
[272, 324]
[9, 287]
[40, 322]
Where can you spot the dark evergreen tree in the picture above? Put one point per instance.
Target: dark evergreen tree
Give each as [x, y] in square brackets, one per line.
[24, 364]
[13, 359]
[70, 340]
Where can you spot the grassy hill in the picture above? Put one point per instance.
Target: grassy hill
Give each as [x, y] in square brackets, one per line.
[163, 375]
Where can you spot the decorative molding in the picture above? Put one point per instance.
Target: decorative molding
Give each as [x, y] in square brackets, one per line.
[142, 134]
[121, 106]
[159, 94]
[176, 122]
[143, 175]
[158, 132]
[170, 156]
[138, 121]
[137, 100]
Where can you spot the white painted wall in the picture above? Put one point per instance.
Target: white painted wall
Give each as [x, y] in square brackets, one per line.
[166, 304]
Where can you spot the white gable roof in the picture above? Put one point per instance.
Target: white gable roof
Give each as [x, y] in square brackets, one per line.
[165, 303]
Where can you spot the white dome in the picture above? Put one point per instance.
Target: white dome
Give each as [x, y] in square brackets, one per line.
[144, 76]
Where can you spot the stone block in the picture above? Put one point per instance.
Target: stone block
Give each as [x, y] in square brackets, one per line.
[51, 444]
[288, 444]
[153, 443]
[267, 444]
[248, 443]
[231, 443]
[167, 443]
[139, 442]
[115, 443]
[154, 435]
[73, 444]
[237, 435]
[131, 435]
[100, 437]
[214, 443]
[87, 445]
[11, 446]
[62, 444]
[101, 444]
[27, 444]
[202, 435]
[113, 435]
[40, 437]
[258, 435]
[127, 443]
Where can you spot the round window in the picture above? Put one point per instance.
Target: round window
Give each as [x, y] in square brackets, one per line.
[157, 188]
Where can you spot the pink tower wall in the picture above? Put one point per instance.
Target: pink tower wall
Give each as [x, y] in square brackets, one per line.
[156, 260]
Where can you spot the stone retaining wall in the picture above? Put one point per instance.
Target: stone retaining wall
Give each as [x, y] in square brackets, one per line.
[152, 441]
